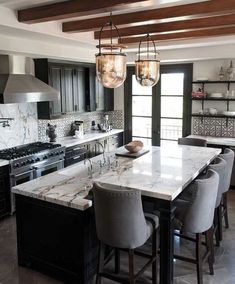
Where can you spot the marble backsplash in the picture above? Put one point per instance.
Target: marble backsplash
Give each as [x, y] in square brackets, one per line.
[26, 128]
[23, 129]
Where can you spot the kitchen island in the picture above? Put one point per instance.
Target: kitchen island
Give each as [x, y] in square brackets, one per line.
[55, 220]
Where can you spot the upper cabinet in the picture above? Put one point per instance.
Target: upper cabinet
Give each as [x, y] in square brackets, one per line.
[79, 89]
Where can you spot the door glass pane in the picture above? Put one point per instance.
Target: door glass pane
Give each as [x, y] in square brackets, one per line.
[171, 128]
[168, 143]
[137, 89]
[142, 106]
[172, 107]
[172, 84]
[142, 126]
[146, 141]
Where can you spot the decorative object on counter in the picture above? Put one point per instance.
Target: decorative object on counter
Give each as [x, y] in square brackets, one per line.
[221, 74]
[111, 61]
[147, 69]
[134, 146]
[106, 125]
[77, 125]
[230, 71]
[78, 134]
[51, 132]
[5, 121]
[93, 125]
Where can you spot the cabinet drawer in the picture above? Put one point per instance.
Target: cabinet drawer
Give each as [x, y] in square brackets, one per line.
[75, 159]
[74, 151]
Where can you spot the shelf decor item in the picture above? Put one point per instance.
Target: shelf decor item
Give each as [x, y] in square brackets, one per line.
[111, 61]
[230, 71]
[147, 69]
[221, 74]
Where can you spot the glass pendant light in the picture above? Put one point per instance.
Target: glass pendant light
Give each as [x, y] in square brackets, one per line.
[111, 61]
[147, 69]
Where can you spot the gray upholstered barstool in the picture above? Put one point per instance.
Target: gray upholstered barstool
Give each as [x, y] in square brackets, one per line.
[198, 218]
[228, 156]
[219, 165]
[192, 142]
[122, 224]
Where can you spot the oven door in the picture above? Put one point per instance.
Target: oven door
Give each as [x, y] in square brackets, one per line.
[46, 168]
[19, 178]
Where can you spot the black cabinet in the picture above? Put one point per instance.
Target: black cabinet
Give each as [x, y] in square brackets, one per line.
[78, 86]
[69, 80]
[4, 191]
[97, 96]
[75, 154]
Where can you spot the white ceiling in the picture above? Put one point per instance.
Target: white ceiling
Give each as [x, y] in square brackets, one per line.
[51, 32]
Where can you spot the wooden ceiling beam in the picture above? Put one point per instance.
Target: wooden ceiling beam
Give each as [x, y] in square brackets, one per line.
[71, 8]
[195, 9]
[199, 23]
[183, 35]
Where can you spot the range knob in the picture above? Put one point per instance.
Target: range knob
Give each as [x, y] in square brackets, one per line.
[16, 165]
[45, 157]
[37, 160]
[23, 163]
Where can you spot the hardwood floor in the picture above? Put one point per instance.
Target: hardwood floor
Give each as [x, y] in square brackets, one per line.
[11, 273]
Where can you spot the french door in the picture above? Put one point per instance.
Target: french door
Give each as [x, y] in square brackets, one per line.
[159, 115]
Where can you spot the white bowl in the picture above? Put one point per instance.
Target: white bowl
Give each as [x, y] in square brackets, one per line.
[228, 113]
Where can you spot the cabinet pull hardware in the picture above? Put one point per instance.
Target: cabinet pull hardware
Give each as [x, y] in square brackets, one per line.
[76, 157]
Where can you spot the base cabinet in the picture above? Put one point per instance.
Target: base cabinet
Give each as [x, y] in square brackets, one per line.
[56, 240]
[5, 207]
[79, 152]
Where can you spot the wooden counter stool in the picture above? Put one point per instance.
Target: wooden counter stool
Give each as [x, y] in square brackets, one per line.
[197, 219]
[228, 156]
[122, 224]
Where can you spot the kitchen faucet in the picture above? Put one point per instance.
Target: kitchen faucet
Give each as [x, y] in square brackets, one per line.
[103, 151]
[90, 167]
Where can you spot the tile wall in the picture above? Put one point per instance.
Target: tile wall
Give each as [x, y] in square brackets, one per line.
[211, 126]
[64, 124]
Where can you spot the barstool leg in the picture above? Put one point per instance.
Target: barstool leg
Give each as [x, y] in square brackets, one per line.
[225, 204]
[154, 254]
[210, 249]
[216, 227]
[131, 267]
[117, 261]
[220, 222]
[100, 263]
[199, 258]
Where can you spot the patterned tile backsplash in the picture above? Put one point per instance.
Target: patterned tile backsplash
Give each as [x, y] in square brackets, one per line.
[64, 124]
[212, 126]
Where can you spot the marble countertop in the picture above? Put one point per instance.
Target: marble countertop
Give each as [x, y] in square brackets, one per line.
[3, 162]
[161, 173]
[88, 137]
[69, 186]
[225, 141]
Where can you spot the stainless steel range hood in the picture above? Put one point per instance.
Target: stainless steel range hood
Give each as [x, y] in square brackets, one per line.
[18, 85]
